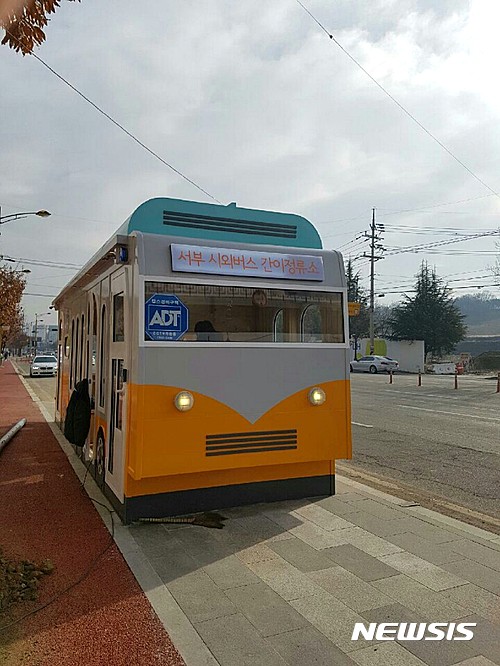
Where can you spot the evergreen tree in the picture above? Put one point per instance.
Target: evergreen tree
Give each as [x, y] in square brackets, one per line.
[359, 326]
[430, 315]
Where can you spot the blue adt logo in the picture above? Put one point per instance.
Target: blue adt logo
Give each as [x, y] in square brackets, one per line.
[166, 317]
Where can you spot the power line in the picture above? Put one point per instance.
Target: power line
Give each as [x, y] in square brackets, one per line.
[122, 128]
[429, 246]
[439, 205]
[40, 262]
[391, 97]
[27, 293]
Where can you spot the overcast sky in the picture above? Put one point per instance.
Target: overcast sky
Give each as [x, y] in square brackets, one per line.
[253, 101]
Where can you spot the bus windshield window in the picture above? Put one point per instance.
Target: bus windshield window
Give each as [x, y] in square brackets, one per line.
[246, 314]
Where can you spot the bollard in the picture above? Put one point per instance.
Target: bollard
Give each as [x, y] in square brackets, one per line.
[419, 378]
[390, 377]
[498, 383]
[456, 379]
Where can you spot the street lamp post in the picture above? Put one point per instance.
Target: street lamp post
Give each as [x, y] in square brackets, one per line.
[43, 314]
[19, 216]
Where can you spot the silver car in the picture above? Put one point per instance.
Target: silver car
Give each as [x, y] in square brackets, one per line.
[43, 366]
[374, 364]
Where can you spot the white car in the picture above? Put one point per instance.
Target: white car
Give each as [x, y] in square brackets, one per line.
[43, 366]
[375, 364]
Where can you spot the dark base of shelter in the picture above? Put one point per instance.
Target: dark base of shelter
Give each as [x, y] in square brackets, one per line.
[221, 497]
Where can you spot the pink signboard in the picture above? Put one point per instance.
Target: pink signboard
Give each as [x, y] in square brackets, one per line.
[248, 263]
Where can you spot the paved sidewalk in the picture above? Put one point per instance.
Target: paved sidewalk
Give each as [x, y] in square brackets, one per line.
[285, 583]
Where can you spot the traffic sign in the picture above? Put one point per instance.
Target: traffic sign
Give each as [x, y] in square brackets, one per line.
[166, 318]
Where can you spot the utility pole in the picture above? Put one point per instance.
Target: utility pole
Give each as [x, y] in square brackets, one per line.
[374, 237]
[372, 282]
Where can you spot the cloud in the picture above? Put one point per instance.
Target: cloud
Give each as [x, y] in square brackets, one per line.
[253, 102]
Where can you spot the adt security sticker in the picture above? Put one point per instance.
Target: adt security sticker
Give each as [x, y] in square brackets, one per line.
[166, 318]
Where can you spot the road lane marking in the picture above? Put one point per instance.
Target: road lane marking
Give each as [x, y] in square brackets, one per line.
[439, 411]
[362, 425]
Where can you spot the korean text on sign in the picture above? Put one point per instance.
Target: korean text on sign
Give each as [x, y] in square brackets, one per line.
[226, 261]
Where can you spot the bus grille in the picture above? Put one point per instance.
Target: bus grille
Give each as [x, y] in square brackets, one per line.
[227, 224]
[250, 442]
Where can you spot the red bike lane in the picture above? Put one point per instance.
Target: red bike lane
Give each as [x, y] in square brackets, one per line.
[45, 514]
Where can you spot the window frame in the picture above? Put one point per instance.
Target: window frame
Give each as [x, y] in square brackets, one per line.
[254, 284]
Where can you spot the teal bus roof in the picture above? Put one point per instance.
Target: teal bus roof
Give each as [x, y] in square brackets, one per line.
[192, 219]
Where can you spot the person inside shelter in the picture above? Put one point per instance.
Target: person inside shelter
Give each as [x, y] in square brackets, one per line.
[205, 332]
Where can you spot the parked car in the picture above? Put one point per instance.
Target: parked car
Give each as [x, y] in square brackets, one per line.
[43, 366]
[374, 364]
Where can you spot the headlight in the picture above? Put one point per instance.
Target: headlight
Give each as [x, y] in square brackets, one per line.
[184, 401]
[317, 396]
[35, 367]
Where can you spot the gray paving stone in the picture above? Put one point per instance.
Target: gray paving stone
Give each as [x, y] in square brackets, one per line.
[234, 536]
[348, 588]
[318, 538]
[284, 518]
[352, 496]
[378, 526]
[385, 654]
[359, 563]
[200, 598]
[476, 661]
[434, 653]
[422, 571]
[379, 509]
[234, 641]
[421, 599]
[490, 557]
[440, 653]
[369, 543]
[259, 552]
[330, 616]
[285, 579]
[477, 600]
[153, 539]
[486, 639]
[434, 533]
[301, 555]
[340, 506]
[320, 516]
[265, 609]
[308, 646]
[437, 553]
[393, 612]
[260, 526]
[174, 562]
[476, 573]
[230, 572]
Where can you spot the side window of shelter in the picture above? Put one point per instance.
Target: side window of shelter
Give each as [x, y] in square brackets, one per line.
[118, 318]
[87, 346]
[72, 353]
[102, 358]
[77, 350]
[82, 336]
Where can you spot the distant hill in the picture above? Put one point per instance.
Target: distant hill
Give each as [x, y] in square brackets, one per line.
[482, 314]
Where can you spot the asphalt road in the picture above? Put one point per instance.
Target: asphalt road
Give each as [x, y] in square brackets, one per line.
[440, 443]
[431, 444]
